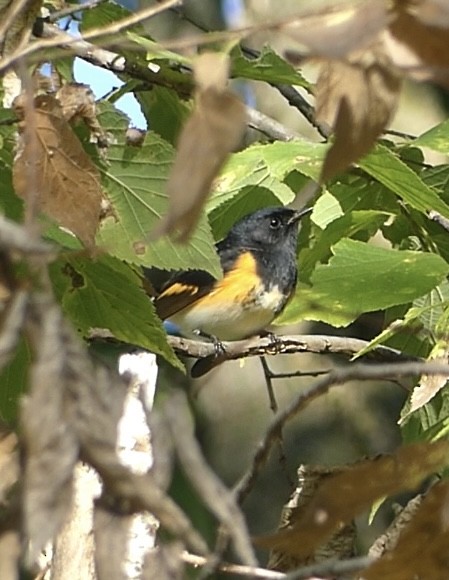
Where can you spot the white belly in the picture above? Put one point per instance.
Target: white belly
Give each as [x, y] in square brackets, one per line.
[232, 322]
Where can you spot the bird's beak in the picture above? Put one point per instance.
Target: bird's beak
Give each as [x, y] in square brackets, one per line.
[299, 214]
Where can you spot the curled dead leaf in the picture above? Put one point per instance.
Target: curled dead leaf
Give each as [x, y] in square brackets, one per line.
[78, 103]
[344, 495]
[335, 31]
[53, 173]
[211, 133]
[417, 40]
[369, 47]
[340, 545]
[357, 99]
[421, 551]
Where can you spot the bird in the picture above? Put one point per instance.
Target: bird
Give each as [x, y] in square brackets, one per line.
[258, 259]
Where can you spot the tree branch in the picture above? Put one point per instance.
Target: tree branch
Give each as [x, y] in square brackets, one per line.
[94, 33]
[338, 376]
[257, 346]
[328, 568]
[118, 64]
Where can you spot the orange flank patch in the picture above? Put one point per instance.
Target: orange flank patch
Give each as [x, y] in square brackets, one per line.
[238, 285]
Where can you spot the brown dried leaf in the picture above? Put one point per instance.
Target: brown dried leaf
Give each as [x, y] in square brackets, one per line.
[417, 40]
[339, 546]
[432, 12]
[429, 386]
[357, 99]
[53, 170]
[387, 541]
[343, 496]
[78, 103]
[211, 133]
[336, 31]
[421, 551]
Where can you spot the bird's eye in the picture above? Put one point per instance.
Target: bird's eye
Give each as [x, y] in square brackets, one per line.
[275, 223]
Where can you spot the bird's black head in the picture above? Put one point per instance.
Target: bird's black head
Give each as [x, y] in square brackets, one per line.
[266, 229]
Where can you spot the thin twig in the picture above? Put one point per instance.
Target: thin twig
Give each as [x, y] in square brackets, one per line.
[270, 127]
[14, 237]
[118, 64]
[339, 376]
[328, 568]
[331, 568]
[293, 97]
[297, 374]
[69, 10]
[15, 8]
[228, 568]
[215, 495]
[274, 407]
[94, 33]
[268, 381]
[12, 326]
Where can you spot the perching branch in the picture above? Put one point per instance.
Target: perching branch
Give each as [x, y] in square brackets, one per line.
[257, 346]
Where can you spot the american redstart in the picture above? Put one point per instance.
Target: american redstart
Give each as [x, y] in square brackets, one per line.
[258, 258]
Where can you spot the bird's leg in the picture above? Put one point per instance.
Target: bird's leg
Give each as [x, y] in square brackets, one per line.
[219, 349]
[275, 341]
[204, 365]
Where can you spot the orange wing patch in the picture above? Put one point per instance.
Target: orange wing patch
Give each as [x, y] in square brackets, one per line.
[179, 288]
[176, 297]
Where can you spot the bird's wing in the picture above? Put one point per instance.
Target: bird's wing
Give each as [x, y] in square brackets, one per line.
[181, 291]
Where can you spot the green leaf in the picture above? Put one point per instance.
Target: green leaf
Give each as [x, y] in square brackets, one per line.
[428, 423]
[436, 138]
[326, 210]
[407, 323]
[266, 166]
[106, 293]
[363, 278]
[157, 52]
[134, 179]
[164, 111]
[268, 67]
[103, 14]
[10, 204]
[386, 167]
[249, 200]
[365, 223]
[14, 382]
